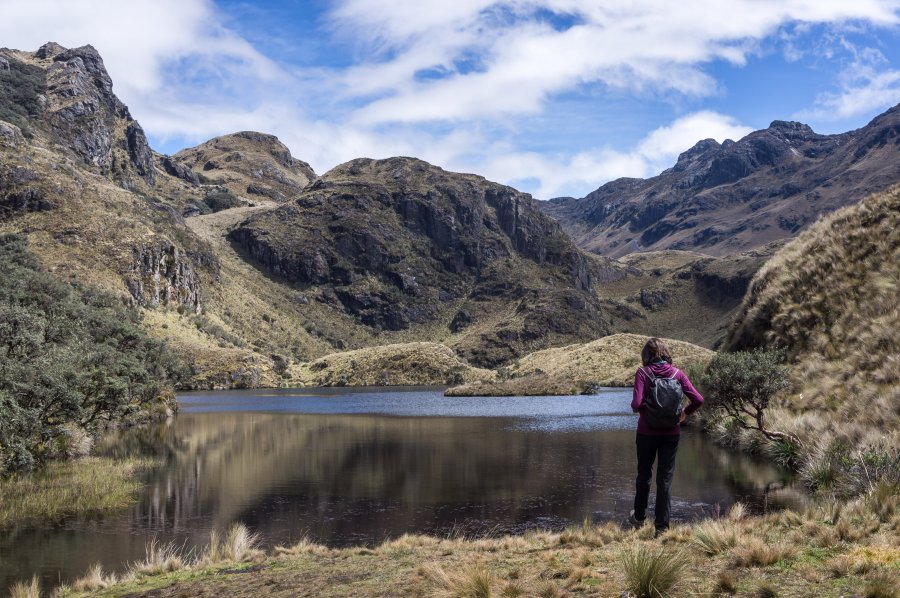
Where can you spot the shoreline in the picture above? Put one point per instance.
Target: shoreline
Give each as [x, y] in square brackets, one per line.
[823, 550]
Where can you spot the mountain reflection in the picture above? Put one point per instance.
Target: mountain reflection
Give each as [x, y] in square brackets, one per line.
[361, 477]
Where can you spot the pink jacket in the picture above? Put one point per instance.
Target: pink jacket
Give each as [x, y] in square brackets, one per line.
[642, 380]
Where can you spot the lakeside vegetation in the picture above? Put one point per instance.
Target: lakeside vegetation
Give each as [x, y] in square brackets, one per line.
[77, 488]
[72, 362]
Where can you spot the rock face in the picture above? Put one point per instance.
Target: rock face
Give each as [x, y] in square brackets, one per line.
[163, 275]
[731, 197]
[78, 107]
[400, 242]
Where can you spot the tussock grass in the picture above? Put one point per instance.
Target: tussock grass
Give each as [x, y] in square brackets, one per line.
[781, 550]
[473, 582]
[238, 545]
[714, 537]
[80, 488]
[95, 579]
[756, 552]
[652, 573]
[159, 558]
[829, 299]
[30, 589]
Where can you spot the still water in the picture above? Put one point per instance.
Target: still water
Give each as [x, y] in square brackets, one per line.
[357, 466]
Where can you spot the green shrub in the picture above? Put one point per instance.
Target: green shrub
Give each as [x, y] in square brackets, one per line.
[222, 200]
[20, 87]
[742, 385]
[69, 356]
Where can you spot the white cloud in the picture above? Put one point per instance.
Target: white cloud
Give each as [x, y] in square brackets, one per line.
[866, 85]
[585, 171]
[636, 45]
[490, 63]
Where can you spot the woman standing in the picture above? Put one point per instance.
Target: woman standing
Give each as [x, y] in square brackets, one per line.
[657, 438]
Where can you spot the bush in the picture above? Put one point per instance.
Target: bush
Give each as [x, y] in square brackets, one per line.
[742, 385]
[222, 200]
[71, 358]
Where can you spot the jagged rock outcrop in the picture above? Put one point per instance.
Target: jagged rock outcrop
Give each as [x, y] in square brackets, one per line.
[21, 191]
[180, 170]
[730, 197]
[163, 274]
[10, 135]
[69, 92]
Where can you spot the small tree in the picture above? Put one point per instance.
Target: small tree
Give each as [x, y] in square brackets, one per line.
[743, 383]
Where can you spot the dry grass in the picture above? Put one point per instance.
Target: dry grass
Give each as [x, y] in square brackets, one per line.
[159, 558]
[714, 537]
[95, 579]
[473, 582]
[776, 552]
[757, 552]
[829, 298]
[653, 573]
[404, 363]
[609, 361]
[30, 589]
[80, 488]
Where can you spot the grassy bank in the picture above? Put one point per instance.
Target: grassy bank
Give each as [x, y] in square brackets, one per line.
[827, 550]
[77, 488]
[527, 386]
[579, 368]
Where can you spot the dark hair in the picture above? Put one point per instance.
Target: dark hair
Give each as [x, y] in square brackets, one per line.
[655, 350]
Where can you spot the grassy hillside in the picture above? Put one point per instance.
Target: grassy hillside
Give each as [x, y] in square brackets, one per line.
[398, 364]
[829, 299]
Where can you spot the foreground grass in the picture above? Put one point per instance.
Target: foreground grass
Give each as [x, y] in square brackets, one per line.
[823, 551]
[72, 488]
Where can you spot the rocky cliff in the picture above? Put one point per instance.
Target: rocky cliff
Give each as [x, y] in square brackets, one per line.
[727, 198]
[401, 244]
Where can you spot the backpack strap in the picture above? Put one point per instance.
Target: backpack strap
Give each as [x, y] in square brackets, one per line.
[672, 377]
[649, 373]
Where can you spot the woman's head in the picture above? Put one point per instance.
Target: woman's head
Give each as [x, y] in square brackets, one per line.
[655, 350]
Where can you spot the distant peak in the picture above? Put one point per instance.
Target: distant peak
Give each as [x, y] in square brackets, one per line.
[49, 50]
[791, 126]
[701, 147]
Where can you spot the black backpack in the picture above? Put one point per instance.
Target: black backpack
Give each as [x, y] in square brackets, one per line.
[663, 401]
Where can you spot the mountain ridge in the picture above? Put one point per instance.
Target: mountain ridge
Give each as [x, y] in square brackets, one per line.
[731, 197]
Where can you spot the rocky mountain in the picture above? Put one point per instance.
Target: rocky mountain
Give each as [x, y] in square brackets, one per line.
[726, 198]
[248, 163]
[400, 244]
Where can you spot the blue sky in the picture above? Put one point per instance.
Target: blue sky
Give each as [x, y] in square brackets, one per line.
[554, 97]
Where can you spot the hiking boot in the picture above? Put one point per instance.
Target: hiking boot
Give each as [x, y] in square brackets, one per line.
[660, 531]
[633, 522]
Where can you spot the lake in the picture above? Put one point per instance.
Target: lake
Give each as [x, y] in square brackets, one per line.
[356, 466]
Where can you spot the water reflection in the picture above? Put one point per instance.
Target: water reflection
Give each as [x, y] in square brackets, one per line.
[360, 477]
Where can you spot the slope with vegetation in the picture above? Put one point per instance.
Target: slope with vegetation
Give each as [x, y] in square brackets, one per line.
[828, 300]
[72, 361]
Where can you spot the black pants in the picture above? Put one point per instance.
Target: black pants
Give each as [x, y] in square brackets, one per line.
[648, 447]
